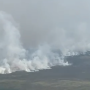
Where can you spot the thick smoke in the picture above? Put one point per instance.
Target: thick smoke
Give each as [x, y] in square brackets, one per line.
[58, 44]
[13, 57]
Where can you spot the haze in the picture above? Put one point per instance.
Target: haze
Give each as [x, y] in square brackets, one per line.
[38, 18]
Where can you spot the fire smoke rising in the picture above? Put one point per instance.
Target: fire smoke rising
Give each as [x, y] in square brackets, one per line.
[13, 57]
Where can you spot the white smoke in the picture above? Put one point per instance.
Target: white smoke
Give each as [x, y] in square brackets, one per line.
[61, 43]
[13, 57]
[72, 42]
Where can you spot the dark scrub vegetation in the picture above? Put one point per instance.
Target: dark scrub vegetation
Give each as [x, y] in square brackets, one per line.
[74, 77]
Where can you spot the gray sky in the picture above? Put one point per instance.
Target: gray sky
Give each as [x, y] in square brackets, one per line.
[39, 18]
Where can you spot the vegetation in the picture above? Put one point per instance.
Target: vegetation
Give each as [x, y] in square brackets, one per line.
[75, 77]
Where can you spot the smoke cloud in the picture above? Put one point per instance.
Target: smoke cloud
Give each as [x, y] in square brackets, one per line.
[49, 52]
[13, 57]
[37, 18]
[45, 32]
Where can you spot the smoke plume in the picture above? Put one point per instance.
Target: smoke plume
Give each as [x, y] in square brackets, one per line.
[52, 51]
[13, 57]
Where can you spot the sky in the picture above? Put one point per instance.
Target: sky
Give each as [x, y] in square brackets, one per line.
[42, 21]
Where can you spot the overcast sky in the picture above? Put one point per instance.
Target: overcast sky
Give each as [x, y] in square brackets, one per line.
[38, 18]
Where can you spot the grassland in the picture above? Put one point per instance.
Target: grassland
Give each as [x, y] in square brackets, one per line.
[75, 77]
[44, 85]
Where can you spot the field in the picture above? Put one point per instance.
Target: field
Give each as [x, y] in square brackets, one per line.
[74, 77]
[44, 85]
